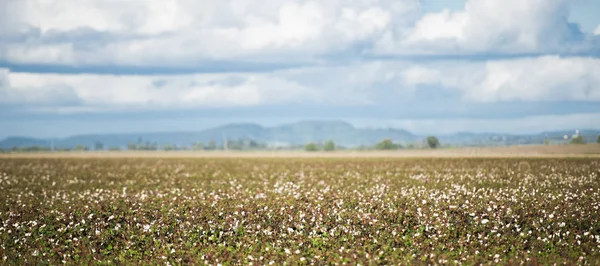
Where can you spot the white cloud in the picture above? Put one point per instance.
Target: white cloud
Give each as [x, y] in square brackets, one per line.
[187, 32]
[417, 75]
[103, 92]
[349, 85]
[547, 78]
[597, 30]
[443, 25]
[4, 77]
[180, 32]
[493, 26]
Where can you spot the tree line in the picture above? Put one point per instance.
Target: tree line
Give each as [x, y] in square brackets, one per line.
[431, 142]
[386, 144]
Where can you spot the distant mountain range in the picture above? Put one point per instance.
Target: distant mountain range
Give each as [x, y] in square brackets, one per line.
[294, 134]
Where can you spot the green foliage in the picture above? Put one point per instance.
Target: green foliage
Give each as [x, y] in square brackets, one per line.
[329, 146]
[363, 148]
[198, 146]
[598, 141]
[433, 142]
[142, 146]
[212, 145]
[98, 146]
[243, 144]
[31, 149]
[387, 144]
[311, 147]
[249, 144]
[131, 146]
[169, 147]
[80, 147]
[577, 139]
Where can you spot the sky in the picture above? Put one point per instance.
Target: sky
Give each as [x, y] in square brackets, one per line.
[72, 67]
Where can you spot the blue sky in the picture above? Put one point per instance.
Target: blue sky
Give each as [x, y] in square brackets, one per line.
[432, 66]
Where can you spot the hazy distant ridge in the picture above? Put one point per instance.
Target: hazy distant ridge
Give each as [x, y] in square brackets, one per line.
[293, 134]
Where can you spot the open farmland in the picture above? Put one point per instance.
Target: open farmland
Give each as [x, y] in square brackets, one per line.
[299, 210]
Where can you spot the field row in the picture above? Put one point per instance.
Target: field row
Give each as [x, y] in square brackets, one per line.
[299, 211]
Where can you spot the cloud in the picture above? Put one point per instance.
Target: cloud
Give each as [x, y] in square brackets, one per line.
[597, 30]
[179, 33]
[381, 84]
[546, 78]
[183, 32]
[4, 77]
[356, 84]
[77, 93]
[496, 27]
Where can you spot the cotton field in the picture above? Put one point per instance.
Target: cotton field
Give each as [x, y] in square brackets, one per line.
[310, 211]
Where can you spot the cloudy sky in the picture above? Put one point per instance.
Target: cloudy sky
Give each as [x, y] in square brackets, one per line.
[429, 66]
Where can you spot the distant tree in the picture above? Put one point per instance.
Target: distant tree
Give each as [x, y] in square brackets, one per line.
[598, 139]
[329, 146]
[546, 142]
[235, 144]
[386, 144]
[183, 148]
[114, 149]
[32, 149]
[80, 147]
[577, 139]
[169, 147]
[252, 144]
[131, 146]
[311, 147]
[212, 145]
[148, 146]
[98, 146]
[433, 142]
[198, 146]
